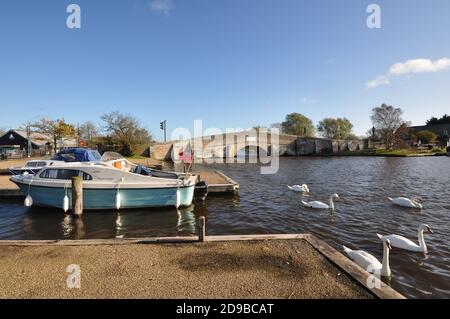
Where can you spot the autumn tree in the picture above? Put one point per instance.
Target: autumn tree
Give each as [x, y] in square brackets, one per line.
[298, 124]
[125, 131]
[57, 129]
[387, 120]
[339, 128]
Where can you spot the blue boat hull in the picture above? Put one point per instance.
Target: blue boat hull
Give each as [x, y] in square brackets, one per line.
[104, 199]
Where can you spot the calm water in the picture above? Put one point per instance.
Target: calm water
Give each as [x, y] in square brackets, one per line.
[266, 206]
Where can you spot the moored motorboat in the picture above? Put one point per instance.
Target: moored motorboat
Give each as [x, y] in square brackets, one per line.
[107, 181]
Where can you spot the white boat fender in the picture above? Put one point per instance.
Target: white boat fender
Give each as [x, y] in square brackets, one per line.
[178, 198]
[118, 200]
[28, 201]
[65, 199]
[65, 203]
[118, 197]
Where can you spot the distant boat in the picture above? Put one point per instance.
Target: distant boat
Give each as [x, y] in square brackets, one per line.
[109, 184]
[65, 156]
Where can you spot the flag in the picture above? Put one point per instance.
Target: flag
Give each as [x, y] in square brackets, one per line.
[185, 157]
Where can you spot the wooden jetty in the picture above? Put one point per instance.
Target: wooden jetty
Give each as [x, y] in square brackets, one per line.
[218, 182]
[243, 266]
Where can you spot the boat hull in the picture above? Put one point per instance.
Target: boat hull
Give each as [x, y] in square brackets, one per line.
[105, 199]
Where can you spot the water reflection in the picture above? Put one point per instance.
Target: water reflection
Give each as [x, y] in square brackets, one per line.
[46, 223]
[73, 227]
[186, 221]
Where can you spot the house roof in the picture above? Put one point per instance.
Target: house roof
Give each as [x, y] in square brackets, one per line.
[36, 137]
[41, 139]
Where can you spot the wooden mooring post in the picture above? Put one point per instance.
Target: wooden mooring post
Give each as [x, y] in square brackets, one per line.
[77, 195]
[202, 229]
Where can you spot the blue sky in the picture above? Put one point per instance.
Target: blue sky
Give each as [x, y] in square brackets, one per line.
[230, 63]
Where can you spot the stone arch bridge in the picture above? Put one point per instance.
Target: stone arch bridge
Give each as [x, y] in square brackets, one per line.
[252, 143]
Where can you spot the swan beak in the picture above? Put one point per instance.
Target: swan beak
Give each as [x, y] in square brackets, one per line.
[388, 243]
[430, 230]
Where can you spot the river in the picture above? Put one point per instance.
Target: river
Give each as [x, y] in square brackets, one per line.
[265, 205]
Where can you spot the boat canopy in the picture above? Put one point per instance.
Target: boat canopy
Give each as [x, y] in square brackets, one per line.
[77, 155]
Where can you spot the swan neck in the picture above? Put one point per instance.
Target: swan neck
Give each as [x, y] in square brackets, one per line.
[331, 203]
[385, 269]
[422, 244]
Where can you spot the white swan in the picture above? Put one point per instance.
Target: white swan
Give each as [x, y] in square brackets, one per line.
[320, 205]
[406, 202]
[371, 263]
[299, 188]
[404, 243]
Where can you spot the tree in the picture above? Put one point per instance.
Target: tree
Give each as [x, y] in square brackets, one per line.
[125, 131]
[298, 124]
[387, 120]
[88, 130]
[445, 119]
[426, 137]
[57, 129]
[339, 129]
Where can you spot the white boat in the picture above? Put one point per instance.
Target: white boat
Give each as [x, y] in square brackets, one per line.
[111, 183]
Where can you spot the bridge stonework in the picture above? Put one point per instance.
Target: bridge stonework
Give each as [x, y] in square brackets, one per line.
[230, 145]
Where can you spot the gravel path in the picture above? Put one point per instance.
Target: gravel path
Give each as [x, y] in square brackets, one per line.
[259, 269]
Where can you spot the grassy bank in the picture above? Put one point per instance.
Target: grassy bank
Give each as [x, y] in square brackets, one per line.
[395, 153]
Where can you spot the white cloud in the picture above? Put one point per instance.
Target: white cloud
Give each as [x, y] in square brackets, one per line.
[419, 66]
[414, 66]
[161, 6]
[379, 80]
[308, 100]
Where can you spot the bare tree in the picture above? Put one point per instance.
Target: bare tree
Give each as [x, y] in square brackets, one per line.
[88, 130]
[387, 120]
